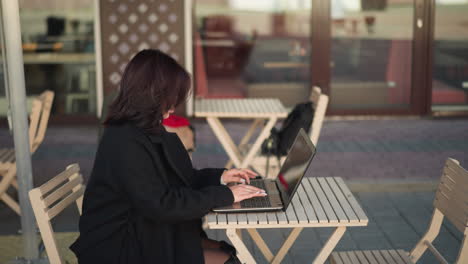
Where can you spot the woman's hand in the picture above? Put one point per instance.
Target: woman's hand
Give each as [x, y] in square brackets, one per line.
[243, 191]
[238, 176]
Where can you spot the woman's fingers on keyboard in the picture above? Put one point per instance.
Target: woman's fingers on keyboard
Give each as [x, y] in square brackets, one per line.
[253, 188]
[257, 194]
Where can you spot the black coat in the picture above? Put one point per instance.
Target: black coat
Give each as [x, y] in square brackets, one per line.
[144, 201]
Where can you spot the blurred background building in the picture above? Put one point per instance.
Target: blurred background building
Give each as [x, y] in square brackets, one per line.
[379, 57]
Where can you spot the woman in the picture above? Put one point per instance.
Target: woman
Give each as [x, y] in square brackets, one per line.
[144, 201]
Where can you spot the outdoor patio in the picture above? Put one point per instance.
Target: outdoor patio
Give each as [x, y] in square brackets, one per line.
[392, 166]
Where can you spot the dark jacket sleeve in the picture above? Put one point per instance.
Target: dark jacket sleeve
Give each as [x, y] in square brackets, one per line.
[152, 197]
[207, 177]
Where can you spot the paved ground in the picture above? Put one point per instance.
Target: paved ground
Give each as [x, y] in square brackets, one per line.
[372, 153]
[396, 220]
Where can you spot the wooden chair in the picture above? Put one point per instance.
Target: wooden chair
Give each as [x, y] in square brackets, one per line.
[320, 102]
[38, 121]
[50, 199]
[451, 201]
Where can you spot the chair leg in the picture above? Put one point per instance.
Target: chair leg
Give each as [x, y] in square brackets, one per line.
[5, 183]
[11, 203]
[14, 183]
[431, 234]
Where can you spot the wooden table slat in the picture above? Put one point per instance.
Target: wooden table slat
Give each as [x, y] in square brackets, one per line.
[317, 201]
[222, 219]
[281, 216]
[352, 201]
[279, 107]
[262, 218]
[271, 216]
[347, 208]
[240, 108]
[252, 219]
[291, 215]
[211, 219]
[242, 218]
[306, 205]
[299, 208]
[333, 201]
[250, 107]
[321, 216]
[323, 200]
[232, 219]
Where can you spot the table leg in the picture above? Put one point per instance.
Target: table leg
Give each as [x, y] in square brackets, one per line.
[256, 146]
[225, 140]
[242, 252]
[281, 252]
[258, 240]
[330, 245]
[246, 138]
[287, 245]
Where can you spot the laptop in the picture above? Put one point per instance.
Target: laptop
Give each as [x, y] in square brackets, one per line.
[281, 190]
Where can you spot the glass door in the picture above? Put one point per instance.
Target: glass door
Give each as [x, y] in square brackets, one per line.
[253, 48]
[450, 61]
[371, 56]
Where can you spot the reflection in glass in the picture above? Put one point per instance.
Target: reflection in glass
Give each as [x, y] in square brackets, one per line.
[371, 54]
[247, 48]
[58, 47]
[450, 63]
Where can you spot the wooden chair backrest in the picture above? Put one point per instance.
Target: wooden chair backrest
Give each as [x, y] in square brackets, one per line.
[451, 202]
[39, 118]
[452, 195]
[50, 199]
[320, 102]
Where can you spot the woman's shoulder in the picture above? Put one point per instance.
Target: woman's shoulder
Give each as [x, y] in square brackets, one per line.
[122, 129]
[123, 134]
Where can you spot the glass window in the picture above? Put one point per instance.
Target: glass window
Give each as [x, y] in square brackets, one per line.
[450, 51]
[246, 48]
[58, 47]
[371, 54]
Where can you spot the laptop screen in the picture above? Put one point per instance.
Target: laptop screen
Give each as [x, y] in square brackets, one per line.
[295, 166]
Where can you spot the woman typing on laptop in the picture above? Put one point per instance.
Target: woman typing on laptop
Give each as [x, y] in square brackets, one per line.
[144, 201]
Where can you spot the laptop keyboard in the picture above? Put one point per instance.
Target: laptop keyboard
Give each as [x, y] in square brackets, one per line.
[256, 202]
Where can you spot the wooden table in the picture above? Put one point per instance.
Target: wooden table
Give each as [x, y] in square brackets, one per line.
[260, 110]
[319, 202]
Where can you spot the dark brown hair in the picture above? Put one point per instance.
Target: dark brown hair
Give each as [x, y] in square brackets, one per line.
[151, 84]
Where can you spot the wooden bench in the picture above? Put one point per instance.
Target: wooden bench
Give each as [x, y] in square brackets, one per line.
[320, 103]
[50, 199]
[451, 201]
[38, 121]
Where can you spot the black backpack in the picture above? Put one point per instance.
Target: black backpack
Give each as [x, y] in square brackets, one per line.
[280, 141]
